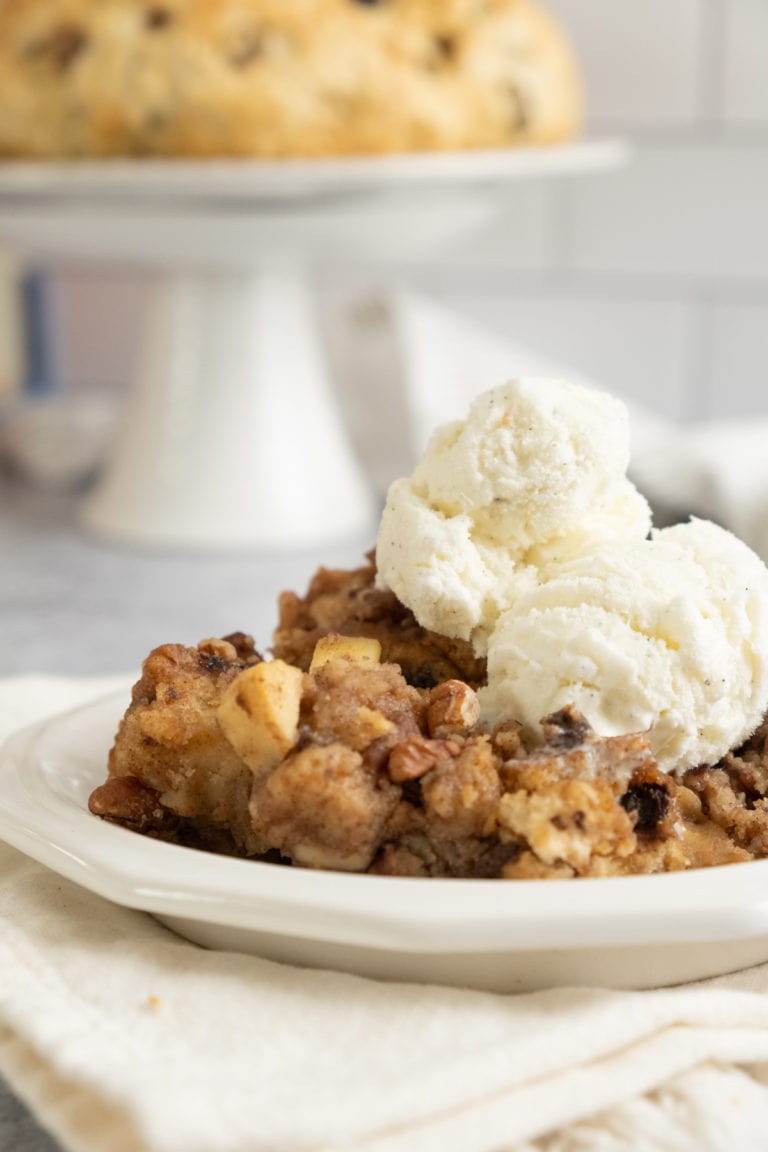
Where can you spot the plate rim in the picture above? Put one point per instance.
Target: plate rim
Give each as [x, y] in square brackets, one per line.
[409, 914]
[245, 179]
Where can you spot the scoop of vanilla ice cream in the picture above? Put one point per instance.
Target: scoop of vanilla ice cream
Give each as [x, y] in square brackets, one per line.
[531, 456]
[668, 635]
[535, 474]
[431, 563]
[624, 516]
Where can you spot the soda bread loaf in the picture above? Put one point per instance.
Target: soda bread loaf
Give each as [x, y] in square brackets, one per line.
[280, 78]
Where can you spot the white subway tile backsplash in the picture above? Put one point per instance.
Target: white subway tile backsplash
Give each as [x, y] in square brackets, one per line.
[640, 61]
[639, 349]
[739, 361]
[746, 62]
[686, 211]
[621, 275]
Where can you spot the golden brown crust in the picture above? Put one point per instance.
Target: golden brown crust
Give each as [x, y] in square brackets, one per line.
[374, 773]
[358, 704]
[324, 807]
[280, 77]
[350, 603]
[366, 786]
[732, 805]
[170, 740]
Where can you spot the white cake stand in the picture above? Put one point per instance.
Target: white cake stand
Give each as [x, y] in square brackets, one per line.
[231, 437]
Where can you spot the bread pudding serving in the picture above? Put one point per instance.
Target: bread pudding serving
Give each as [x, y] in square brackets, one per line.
[280, 78]
[522, 682]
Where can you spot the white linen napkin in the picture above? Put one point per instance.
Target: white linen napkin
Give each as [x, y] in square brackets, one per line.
[124, 1038]
[717, 470]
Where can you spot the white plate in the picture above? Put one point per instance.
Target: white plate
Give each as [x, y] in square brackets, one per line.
[636, 932]
[267, 180]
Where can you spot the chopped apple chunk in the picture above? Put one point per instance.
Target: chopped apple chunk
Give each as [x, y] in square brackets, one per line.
[358, 649]
[259, 713]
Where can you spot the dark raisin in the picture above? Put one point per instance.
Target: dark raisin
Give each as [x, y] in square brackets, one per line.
[157, 18]
[489, 865]
[274, 856]
[518, 109]
[61, 48]
[445, 47]
[412, 793]
[213, 663]
[155, 121]
[565, 729]
[650, 803]
[250, 48]
[421, 678]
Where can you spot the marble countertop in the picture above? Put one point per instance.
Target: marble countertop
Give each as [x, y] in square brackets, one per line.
[74, 606]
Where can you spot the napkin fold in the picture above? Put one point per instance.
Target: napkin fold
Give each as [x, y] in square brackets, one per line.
[124, 1038]
[717, 470]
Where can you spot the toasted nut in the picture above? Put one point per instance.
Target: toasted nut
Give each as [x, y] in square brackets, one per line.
[453, 708]
[128, 800]
[690, 805]
[244, 647]
[359, 649]
[221, 649]
[259, 713]
[414, 757]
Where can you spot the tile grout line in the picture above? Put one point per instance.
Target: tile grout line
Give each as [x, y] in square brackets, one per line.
[472, 280]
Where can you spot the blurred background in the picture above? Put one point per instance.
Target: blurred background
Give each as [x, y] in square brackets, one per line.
[650, 280]
[653, 279]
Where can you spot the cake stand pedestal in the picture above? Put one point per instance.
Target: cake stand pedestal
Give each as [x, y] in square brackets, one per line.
[231, 438]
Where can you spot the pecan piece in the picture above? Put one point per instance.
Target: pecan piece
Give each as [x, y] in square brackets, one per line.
[453, 708]
[128, 801]
[416, 756]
